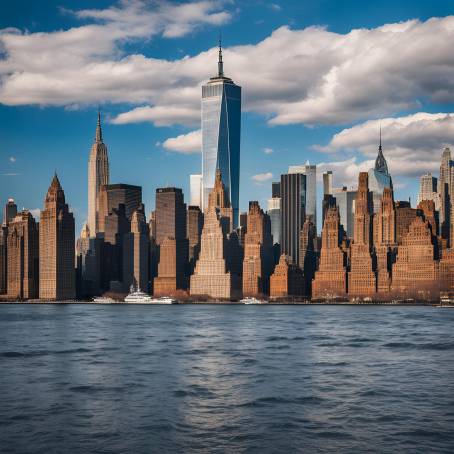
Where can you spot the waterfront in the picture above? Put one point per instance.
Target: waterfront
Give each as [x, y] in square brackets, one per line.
[91, 378]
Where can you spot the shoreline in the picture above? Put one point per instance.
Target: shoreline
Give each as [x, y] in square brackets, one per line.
[235, 303]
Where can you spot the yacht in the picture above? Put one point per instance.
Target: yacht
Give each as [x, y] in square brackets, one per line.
[103, 300]
[164, 300]
[136, 296]
[252, 300]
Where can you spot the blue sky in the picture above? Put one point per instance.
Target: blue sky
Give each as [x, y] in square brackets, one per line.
[317, 78]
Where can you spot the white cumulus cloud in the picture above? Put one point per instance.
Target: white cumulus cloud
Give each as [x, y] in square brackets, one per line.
[262, 177]
[185, 143]
[310, 76]
[267, 150]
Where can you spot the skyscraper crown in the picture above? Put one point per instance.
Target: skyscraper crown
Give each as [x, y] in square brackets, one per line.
[380, 162]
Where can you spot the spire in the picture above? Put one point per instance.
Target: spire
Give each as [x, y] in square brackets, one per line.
[98, 137]
[380, 162]
[220, 63]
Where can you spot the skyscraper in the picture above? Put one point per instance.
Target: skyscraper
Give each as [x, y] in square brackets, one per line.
[171, 238]
[23, 257]
[379, 179]
[112, 195]
[327, 182]
[221, 129]
[361, 277]
[88, 260]
[345, 201]
[311, 189]
[9, 212]
[427, 187]
[98, 175]
[331, 278]
[194, 231]
[56, 247]
[444, 189]
[293, 211]
[136, 251]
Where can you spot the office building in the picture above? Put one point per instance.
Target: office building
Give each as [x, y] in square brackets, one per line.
[221, 129]
[327, 182]
[195, 188]
[23, 257]
[98, 175]
[310, 171]
[293, 213]
[287, 280]
[9, 212]
[345, 201]
[56, 247]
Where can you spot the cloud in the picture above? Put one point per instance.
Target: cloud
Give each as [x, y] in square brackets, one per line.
[185, 143]
[275, 7]
[12, 159]
[10, 174]
[311, 76]
[268, 150]
[412, 145]
[262, 177]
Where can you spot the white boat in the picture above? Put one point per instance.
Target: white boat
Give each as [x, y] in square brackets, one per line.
[103, 300]
[252, 300]
[136, 296]
[164, 300]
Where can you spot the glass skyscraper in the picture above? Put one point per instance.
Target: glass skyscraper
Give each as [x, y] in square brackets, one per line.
[221, 128]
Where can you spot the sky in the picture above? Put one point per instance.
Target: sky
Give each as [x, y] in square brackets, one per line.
[318, 79]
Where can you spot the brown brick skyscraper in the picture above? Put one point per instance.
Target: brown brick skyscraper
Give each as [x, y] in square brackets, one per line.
[194, 232]
[361, 277]
[56, 247]
[307, 257]
[385, 240]
[258, 252]
[416, 271]
[23, 257]
[331, 278]
[287, 279]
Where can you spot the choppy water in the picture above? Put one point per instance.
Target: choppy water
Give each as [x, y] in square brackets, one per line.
[139, 379]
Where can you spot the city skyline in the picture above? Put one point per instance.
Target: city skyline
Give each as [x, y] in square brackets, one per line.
[41, 134]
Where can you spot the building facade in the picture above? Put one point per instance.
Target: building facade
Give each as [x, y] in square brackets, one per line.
[23, 257]
[98, 175]
[221, 130]
[293, 213]
[56, 247]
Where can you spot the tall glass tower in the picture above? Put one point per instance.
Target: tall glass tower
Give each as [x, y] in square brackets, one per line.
[221, 129]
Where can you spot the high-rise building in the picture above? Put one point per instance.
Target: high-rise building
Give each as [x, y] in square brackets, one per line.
[9, 212]
[195, 187]
[345, 201]
[258, 252]
[293, 213]
[416, 272]
[98, 175]
[88, 262]
[23, 257]
[311, 189]
[194, 232]
[428, 189]
[385, 240]
[117, 225]
[427, 209]
[171, 220]
[3, 259]
[287, 279]
[274, 212]
[361, 277]
[136, 252]
[276, 189]
[328, 182]
[221, 129]
[56, 247]
[331, 278]
[379, 179]
[308, 258]
[444, 190]
[112, 196]
[211, 276]
[404, 217]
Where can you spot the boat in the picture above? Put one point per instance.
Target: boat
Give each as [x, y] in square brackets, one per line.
[252, 300]
[164, 300]
[136, 296]
[103, 300]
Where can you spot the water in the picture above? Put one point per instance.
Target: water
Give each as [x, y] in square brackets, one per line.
[139, 379]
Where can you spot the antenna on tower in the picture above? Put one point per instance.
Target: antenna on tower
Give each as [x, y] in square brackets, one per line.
[220, 63]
